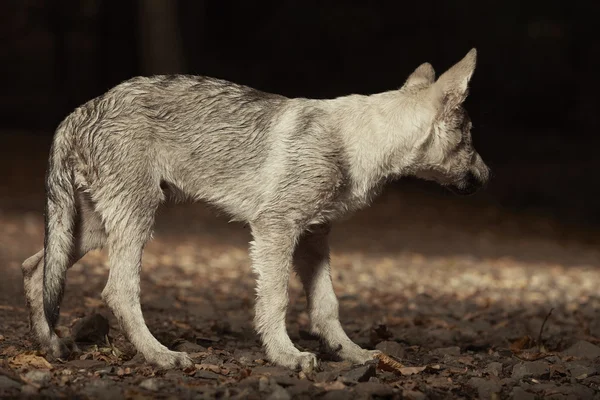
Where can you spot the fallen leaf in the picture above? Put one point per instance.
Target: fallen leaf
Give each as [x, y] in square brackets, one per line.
[387, 363]
[30, 360]
[532, 355]
[524, 342]
[212, 368]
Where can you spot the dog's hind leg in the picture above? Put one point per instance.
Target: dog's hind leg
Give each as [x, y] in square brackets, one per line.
[129, 216]
[311, 261]
[88, 235]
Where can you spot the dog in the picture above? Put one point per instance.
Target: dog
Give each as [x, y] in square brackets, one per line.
[287, 167]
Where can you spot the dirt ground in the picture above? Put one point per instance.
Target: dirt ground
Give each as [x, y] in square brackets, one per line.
[456, 290]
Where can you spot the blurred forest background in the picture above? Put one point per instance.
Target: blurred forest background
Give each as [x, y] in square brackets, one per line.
[533, 101]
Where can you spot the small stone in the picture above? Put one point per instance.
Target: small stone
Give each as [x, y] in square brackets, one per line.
[533, 369]
[360, 374]
[30, 391]
[414, 395]
[391, 348]
[576, 391]
[203, 374]
[90, 329]
[337, 395]
[579, 370]
[187, 347]
[485, 387]
[137, 359]
[279, 393]
[102, 389]
[39, 377]
[374, 389]
[263, 384]
[494, 368]
[520, 394]
[302, 387]
[151, 384]
[447, 351]
[7, 383]
[583, 349]
[326, 376]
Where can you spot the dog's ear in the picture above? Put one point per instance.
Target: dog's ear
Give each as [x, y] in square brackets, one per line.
[453, 85]
[423, 75]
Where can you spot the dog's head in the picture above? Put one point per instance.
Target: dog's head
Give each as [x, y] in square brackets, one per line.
[445, 152]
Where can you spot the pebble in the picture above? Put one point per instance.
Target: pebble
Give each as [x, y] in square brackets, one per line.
[533, 369]
[360, 374]
[520, 394]
[447, 351]
[583, 349]
[485, 387]
[7, 383]
[279, 393]
[494, 368]
[391, 348]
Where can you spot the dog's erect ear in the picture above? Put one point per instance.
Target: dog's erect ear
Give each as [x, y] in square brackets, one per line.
[423, 75]
[453, 85]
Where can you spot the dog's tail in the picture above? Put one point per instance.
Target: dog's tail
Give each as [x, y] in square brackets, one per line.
[59, 220]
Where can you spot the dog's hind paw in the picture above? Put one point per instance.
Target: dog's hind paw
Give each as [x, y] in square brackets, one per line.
[170, 359]
[58, 348]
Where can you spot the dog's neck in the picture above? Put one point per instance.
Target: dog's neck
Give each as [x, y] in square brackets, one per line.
[381, 134]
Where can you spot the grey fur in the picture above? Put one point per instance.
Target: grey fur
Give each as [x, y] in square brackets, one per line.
[286, 166]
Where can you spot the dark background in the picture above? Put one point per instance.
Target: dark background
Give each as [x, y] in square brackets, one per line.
[533, 100]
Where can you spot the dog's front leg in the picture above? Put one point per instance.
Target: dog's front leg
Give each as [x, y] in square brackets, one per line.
[311, 261]
[272, 252]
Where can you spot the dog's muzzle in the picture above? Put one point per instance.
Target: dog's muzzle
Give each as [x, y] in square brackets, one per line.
[471, 183]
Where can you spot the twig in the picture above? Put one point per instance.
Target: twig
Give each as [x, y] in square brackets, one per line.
[539, 339]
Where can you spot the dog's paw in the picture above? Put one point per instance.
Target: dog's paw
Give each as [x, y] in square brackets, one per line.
[170, 359]
[59, 348]
[305, 361]
[357, 355]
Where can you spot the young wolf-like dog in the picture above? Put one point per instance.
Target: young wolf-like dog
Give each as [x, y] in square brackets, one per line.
[286, 166]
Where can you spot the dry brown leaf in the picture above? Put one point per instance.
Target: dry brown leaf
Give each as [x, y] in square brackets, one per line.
[522, 343]
[210, 367]
[30, 360]
[9, 351]
[531, 355]
[387, 363]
